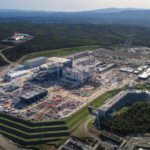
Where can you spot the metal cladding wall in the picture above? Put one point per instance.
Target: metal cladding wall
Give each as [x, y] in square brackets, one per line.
[128, 99]
[35, 62]
[67, 64]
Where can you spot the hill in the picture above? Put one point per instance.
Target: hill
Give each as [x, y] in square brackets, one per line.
[129, 16]
[56, 36]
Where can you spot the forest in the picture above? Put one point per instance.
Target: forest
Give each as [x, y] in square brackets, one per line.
[55, 36]
[134, 120]
[130, 16]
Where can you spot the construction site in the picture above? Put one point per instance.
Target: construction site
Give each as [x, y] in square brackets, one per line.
[53, 88]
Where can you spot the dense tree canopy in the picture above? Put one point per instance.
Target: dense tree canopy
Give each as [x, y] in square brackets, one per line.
[53, 36]
[135, 120]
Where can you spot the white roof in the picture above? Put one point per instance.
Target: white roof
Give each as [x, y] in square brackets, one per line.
[58, 60]
[141, 149]
[127, 69]
[35, 59]
[18, 73]
[145, 74]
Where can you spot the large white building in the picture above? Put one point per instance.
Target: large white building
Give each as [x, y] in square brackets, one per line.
[36, 62]
[18, 36]
[21, 34]
[77, 73]
[55, 65]
[14, 75]
[145, 75]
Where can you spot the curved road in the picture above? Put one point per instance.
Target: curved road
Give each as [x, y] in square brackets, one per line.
[107, 145]
[4, 69]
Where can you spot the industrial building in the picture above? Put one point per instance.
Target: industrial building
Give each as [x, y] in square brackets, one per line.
[74, 143]
[15, 38]
[75, 75]
[64, 62]
[18, 36]
[105, 67]
[30, 96]
[36, 62]
[21, 34]
[55, 65]
[9, 87]
[17, 74]
[145, 75]
[80, 55]
[82, 61]
[121, 99]
[127, 70]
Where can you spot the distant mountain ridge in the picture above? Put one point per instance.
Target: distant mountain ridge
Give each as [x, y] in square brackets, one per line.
[104, 10]
[111, 10]
[131, 16]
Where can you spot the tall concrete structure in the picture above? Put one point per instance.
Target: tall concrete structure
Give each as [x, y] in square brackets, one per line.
[36, 62]
[121, 99]
[126, 97]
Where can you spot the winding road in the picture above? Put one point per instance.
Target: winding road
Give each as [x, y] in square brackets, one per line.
[107, 145]
[3, 56]
[4, 69]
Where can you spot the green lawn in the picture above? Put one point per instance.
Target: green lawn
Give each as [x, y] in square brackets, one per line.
[60, 52]
[143, 86]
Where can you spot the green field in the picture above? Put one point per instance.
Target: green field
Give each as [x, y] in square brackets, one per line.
[143, 86]
[30, 134]
[61, 52]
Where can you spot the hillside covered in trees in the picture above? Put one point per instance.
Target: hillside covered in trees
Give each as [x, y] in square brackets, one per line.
[130, 16]
[55, 36]
[135, 120]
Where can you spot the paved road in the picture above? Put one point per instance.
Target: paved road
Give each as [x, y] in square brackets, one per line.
[86, 128]
[107, 145]
[4, 69]
[7, 145]
[3, 56]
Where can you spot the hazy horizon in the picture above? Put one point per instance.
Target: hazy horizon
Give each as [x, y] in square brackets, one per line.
[71, 11]
[70, 5]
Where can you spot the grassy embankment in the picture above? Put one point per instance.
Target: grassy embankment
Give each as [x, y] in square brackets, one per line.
[143, 86]
[60, 52]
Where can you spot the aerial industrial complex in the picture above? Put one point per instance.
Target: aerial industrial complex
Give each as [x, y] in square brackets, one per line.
[54, 88]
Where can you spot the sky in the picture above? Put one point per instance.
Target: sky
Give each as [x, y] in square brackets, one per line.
[72, 5]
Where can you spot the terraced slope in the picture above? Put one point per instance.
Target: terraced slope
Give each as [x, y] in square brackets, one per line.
[27, 133]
